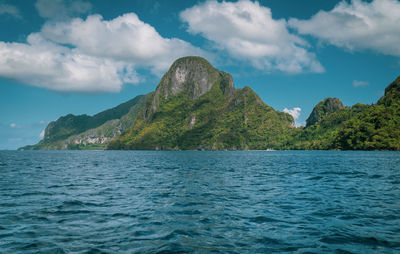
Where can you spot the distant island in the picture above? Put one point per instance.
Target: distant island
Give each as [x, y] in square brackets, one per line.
[196, 106]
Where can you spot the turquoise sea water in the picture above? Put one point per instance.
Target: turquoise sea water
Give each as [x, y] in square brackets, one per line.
[199, 202]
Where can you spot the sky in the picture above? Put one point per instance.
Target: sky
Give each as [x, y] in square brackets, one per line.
[82, 57]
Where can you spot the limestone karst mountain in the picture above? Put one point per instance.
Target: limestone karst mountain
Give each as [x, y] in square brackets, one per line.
[196, 106]
[322, 109]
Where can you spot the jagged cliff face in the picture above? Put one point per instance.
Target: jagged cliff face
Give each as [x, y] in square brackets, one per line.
[197, 106]
[392, 93]
[193, 76]
[322, 109]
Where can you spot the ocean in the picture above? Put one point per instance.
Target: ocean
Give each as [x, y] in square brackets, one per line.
[199, 202]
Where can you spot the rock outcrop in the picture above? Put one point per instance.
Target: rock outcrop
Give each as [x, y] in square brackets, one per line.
[196, 106]
[89, 132]
[392, 93]
[193, 76]
[322, 109]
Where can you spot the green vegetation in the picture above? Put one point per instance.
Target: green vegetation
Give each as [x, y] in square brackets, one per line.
[322, 109]
[206, 113]
[214, 121]
[377, 127]
[73, 132]
[322, 135]
[196, 106]
[361, 127]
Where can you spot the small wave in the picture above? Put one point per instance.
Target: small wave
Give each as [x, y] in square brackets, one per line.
[54, 186]
[205, 220]
[262, 219]
[95, 251]
[343, 239]
[179, 232]
[78, 203]
[143, 233]
[189, 212]
[65, 212]
[343, 172]
[55, 250]
[268, 241]
[315, 178]
[122, 215]
[71, 203]
[170, 248]
[35, 193]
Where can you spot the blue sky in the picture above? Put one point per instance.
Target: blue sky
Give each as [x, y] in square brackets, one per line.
[81, 57]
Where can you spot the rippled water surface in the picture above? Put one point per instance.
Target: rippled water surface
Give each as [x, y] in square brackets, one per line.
[197, 201]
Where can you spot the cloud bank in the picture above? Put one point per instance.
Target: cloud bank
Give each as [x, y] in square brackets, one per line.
[357, 26]
[92, 55]
[247, 31]
[125, 38]
[97, 55]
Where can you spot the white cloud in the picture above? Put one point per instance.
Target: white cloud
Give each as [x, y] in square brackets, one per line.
[295, 112]
[247, 31]
[357, 83]
[13, 125]
[100, 57]
[10, 10]
[125, 38]
[42, 122]
[42, 63]
[61, 9]
[41, 134]
[357, 26]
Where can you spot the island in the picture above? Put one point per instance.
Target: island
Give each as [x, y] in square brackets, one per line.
[197, 107]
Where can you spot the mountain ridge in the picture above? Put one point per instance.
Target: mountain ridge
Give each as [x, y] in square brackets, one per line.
[201, 113]
[196, 106]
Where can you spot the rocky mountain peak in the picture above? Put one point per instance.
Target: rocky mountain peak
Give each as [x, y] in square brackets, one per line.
[392, 93]
[322, 109]
[193, 75]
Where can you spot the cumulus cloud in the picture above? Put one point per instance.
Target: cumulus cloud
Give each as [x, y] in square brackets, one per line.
[247, 31]
[10, 10]
[295, 112]
[61, 9]
[91, 55]
[42, 63]
[13, 125]
[125, 38]
[357, 26]
[357, 83]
